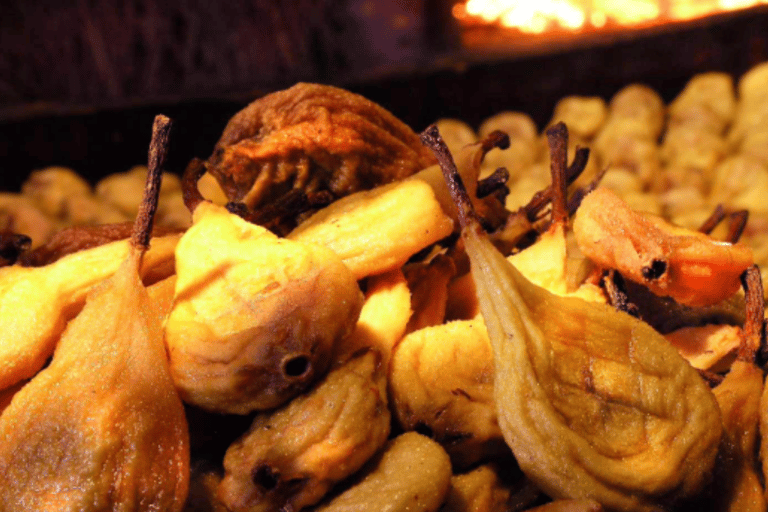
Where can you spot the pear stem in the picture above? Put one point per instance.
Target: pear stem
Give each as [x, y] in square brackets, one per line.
[754, 323]
[158, 149]
[713, 220]
[434, 141]
[737, 224]
[557, 136]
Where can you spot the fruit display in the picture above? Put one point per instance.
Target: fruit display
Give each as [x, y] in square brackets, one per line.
[333, 312]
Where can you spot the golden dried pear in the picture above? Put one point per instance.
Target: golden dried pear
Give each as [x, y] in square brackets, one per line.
[413, 473]
[36, 303]
[102, 427]
[736, 485]
[290, 458]
[441, 382]
[383, 318]
[255, 317]
[593, 402]
[376, 230]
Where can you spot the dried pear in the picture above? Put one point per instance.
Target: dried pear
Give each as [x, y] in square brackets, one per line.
[36, 303]
[383, 318]
[688, 266]
[290, 458]
[413, 473]
[593, 402]
[736, 485]
[374, 231]
[102, 427]
[255, 317]
[441, 383]
[377, 230]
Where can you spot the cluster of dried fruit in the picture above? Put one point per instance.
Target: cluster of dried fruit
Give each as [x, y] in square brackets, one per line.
[361, 321]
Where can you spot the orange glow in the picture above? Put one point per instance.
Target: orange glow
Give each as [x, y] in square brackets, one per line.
[538, 16]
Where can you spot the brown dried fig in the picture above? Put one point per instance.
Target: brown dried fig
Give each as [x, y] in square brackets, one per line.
[313, 138]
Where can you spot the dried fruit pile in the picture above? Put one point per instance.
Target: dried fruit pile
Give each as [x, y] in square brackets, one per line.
[335, 313]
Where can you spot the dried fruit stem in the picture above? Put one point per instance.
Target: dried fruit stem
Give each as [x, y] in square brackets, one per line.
[754, 324]
[433, 140]
[492, 183]
[542, 198]
[737, 223]
[713, 220]
[158, 148]
[557, 137]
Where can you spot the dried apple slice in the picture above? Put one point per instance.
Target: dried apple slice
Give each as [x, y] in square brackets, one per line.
[593, 402]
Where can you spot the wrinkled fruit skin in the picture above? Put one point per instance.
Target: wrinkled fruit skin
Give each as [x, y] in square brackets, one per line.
[255, 317]
[102, 427]
[285, 463]
[313, 138]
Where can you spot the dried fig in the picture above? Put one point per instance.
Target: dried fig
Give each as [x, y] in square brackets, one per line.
[312, 137]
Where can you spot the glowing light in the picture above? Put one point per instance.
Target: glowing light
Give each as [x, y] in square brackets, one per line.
[529, 16]
[598, 19]
[540, 15]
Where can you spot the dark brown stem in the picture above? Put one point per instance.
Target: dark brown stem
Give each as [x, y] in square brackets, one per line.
[557, 136]
[158, 148]
[492, 183]
[736, 225]
[578, 196]
[754, 323]
[542, 198]
[713, 220]
[495, 139]
[466, 212]
[579, 163]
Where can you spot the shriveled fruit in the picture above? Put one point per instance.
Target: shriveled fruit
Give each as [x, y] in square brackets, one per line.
[412, 473]
[312, 138]
[102, 427]
[255, 317]
[290, 458]
[383, 318]
[377, 230]
[593, 402]
[441, 382]
[36, 303]
[479, 490]
[688, 266]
